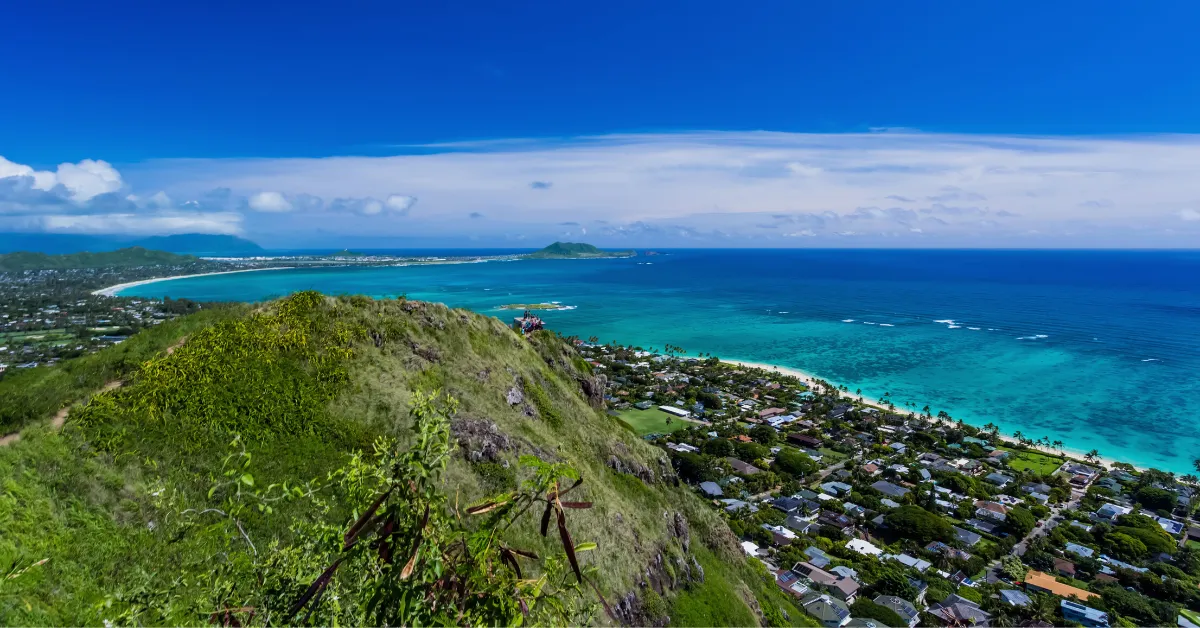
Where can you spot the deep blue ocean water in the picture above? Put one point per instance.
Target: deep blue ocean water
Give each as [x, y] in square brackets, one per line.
[1097, 349]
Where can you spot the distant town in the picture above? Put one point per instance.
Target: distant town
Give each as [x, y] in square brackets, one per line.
[871, 516]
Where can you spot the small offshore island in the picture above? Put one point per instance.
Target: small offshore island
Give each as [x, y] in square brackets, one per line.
[535, 306]
[576, 250]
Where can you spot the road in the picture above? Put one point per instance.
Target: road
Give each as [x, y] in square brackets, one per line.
[993, 574]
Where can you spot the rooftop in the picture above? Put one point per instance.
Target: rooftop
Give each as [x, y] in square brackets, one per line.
[1046, 582]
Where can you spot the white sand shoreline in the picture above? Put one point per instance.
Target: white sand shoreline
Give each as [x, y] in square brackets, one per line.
[810, 379]
[112, 291]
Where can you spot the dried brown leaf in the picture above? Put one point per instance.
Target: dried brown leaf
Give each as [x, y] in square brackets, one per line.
[568, 545]
[316, 587]
[361, 524]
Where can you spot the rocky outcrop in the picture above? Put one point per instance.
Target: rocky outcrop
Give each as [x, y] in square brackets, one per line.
[429, 353]
[667, 571]
[516, 397]
[678, 527]
[593, 389]
[631, 467]
[480, 439]
[622, 461]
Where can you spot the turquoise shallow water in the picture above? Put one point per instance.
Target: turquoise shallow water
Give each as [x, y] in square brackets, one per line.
[1097, 349]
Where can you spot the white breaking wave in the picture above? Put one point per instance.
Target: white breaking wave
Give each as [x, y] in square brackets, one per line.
[945, 321]
[886, 325]
[1152, 360]
[847, 320]
[973, 328]
[868, 323]
[1033, 337]
[953, 326]
[784, 312]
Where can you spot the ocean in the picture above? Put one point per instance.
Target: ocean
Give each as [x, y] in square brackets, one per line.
[1098, 349]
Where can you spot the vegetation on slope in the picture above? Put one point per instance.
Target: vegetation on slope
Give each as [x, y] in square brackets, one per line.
[30, 394]
[132, 256]
[575, 250]
[226, 480]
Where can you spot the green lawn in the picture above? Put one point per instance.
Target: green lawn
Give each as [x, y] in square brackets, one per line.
[652, 421]
[1042, 464]
[830, 456]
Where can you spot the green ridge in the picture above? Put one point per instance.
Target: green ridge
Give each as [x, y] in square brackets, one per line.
[132, 256]
[110, 518]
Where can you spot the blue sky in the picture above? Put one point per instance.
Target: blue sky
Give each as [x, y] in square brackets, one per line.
[398, 116]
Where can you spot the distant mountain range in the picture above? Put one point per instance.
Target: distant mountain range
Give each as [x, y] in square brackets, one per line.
[575, 250]
[186, 243]
[132, 256]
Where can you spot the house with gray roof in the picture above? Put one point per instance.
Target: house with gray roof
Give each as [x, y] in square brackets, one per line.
[840, 587]
[711, 489]
[902, 607]
[742, 467]
[959, 611]
[837, 489]
[817, 557]
[999, 479]
[966, 537]
[831, 612]
[889, 489]
[1015, 597]
[1081, 551]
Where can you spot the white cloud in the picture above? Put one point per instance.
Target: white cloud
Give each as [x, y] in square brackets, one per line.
[269, 202]
[714, 187]
[803, 170]
[88, 179]
[961, 189]
[81, 182]
[399, 204]
[141, 224]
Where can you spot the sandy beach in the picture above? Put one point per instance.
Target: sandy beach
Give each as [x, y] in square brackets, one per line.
[811, 379]
[112, 291]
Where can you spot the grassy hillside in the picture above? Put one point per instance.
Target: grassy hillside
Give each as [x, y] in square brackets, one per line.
[224, 478]
[132, 256]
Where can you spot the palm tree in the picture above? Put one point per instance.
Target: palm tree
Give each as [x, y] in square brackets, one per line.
[1058, 444]
[1019, 436]
[1091, 456]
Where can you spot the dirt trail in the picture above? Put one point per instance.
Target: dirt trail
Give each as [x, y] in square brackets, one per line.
[60, 417]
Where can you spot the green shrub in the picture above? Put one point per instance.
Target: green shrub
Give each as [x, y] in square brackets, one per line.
[541, 401]
[916, 523]
[864, 608]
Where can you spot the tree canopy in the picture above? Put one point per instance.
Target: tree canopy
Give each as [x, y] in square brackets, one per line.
[918, 524]
[794, 462]
[863, 608]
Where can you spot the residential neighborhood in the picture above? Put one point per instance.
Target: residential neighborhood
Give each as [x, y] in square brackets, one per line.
[871, 515]
[51, 315]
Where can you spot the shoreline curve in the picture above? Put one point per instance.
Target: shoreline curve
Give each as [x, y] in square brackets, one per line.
[111, 291]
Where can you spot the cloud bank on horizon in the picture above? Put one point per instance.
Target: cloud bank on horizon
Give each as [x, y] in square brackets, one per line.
[894, 188]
